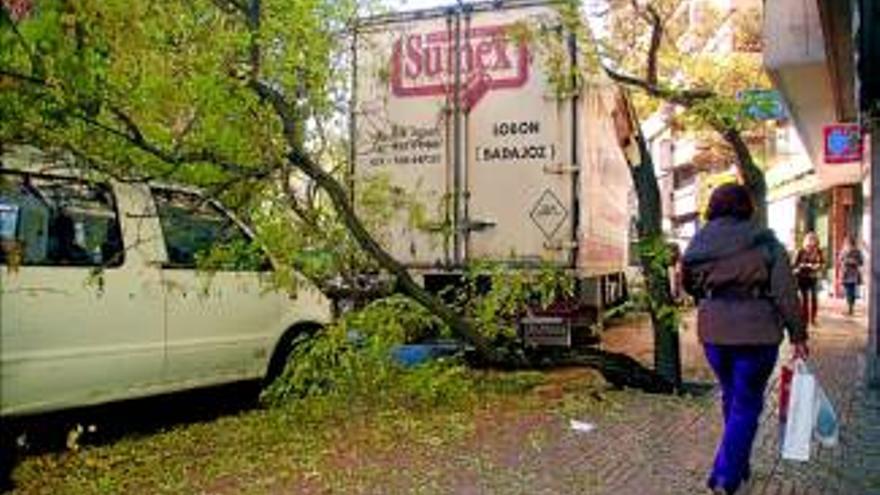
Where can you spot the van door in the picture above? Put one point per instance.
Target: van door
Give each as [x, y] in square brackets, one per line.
[82, 318]
[221, 321]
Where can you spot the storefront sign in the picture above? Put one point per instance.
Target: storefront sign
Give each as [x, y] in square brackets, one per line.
[843, 143]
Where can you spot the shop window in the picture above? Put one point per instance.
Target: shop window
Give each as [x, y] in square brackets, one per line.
[58, 221]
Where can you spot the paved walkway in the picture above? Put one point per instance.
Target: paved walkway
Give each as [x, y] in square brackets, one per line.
[838, 359]
[642, 444]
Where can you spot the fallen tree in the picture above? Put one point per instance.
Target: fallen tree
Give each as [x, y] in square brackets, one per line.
[210, 93]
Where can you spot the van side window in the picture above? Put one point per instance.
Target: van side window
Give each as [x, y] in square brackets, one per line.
[198, 234]
[58, 221]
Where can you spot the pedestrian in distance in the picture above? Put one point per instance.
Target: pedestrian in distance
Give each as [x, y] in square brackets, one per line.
[808, 265]
[742, 280]
[850, 264]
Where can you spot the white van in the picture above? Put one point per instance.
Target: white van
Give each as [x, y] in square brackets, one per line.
[100, 299]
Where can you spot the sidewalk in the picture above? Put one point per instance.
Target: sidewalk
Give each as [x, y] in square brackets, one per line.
[852, 468]
[643, 444]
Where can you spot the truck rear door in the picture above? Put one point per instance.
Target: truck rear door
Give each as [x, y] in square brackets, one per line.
[401, 130]
[518, 127]
[455, 111]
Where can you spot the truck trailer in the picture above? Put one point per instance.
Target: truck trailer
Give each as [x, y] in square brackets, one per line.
[485, 114]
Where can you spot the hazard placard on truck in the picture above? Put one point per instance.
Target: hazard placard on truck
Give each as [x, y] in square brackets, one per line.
[460, 112]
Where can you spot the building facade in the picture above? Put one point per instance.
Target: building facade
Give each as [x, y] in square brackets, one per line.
[823, 56]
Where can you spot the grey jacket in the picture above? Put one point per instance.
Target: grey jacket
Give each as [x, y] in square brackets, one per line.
[742, 278]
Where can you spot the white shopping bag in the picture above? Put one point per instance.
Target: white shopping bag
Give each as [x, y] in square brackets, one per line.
[827, 426]
[801, 414]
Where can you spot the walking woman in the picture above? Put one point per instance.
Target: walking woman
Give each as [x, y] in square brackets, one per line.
[807, 266]
[741, 276]
[850, 264]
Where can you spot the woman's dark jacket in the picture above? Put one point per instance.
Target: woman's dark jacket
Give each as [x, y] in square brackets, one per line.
[742, 278]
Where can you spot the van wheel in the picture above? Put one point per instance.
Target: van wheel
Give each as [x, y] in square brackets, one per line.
[294, 336]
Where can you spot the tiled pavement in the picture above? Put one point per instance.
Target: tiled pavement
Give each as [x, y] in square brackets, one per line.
[653, 445]
[851, 468]
[647, 444]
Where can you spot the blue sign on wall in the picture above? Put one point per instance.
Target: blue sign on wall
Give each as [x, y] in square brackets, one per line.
[763, 104]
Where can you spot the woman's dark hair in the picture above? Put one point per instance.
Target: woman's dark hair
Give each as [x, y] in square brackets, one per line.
[730, 200]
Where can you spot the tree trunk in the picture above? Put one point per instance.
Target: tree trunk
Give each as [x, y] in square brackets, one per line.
[618, 369]
[365, 240]
[667, 356]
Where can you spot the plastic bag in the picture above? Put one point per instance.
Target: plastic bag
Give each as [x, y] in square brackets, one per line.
[827, 427]
[785, 376]
[801, 414]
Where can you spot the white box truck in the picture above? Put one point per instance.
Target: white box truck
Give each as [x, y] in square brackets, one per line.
[461, 108]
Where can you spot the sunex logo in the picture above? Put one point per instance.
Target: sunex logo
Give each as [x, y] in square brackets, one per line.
[423, 64]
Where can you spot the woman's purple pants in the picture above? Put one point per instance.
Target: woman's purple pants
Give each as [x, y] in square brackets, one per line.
[743, 372]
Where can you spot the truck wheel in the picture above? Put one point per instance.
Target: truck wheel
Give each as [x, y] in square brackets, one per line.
[288, 342]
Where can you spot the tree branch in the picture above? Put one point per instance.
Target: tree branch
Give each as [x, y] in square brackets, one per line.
[285, 111]
[650, 15]
[686, 98]
[254, 14]
[752, 175]
[656, 39]
[134, 136]
[292, 117]
[231, 5]
[22, 77]
[32, 55]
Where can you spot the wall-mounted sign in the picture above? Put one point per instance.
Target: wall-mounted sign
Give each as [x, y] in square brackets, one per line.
[763, 104]
[843, 143]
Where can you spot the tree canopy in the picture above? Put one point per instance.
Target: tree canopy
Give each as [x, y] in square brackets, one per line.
[695, 58]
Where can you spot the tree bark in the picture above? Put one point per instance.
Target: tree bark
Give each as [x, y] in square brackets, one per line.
[667, 354]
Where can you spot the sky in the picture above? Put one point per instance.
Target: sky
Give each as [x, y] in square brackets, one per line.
[422, 4]
[406, 5]
[418, 4]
